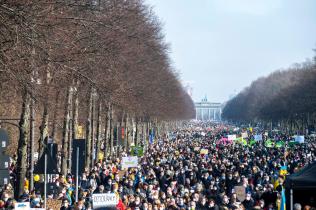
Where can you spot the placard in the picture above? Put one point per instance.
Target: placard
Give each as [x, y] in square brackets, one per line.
[300, 139]
[137, 151]
[231, 137]
[100, 201]
[258, 137]
[130, 162]
[22, 206]
[240, 193]
[196, 149]
[244, 135]
[204, 151]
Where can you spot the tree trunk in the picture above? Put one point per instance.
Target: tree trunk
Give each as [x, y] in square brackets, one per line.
[126, 134]
[70, 131]
[88, 133]
[111, 131]
[22, 144]
[92, 130]
[55, 116]
[136, 132]
[98, 135]
[43, 129]
[106, 131]
[75, 115]
[65, 141]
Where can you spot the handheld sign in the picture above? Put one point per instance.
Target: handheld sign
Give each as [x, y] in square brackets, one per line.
[104, 200]
[240, 193]
[130, 162]
[299, 139]
[204, 151]
[231, 137]
[258, 137]
[22, 206]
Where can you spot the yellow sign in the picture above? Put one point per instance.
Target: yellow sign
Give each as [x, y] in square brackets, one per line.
[79, 132]
[36, 178]
[100, 156]
[204, 151]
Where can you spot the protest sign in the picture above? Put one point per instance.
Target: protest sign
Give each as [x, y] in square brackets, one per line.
[300, 139]
[22, 206]
[231, 137]
[130, 162]
[196, 149]
[244, 135]
[258, 137]
[137, 151]
[240, 192]
[204, 151]
[104, 200]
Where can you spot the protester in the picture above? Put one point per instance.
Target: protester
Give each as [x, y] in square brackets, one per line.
[192, 169]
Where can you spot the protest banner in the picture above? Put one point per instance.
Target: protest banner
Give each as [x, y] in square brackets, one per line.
[224, 141]
[130, 162]
[104, 200]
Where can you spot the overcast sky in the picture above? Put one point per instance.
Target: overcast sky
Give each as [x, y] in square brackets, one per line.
[220, 46]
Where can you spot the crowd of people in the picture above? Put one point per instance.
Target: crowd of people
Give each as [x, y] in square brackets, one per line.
[174, 173]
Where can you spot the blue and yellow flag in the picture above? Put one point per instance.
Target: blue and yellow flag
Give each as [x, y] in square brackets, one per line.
[282, 205]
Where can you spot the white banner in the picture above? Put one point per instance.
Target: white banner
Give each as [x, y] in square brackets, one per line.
[104, 200]
[231, 137]
[22, 206]
[130, 162]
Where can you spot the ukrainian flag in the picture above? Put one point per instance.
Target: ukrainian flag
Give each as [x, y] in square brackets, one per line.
[283, 201]
[283, 170]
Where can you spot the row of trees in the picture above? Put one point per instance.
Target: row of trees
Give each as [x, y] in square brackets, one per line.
[286, 97]
[96, 64]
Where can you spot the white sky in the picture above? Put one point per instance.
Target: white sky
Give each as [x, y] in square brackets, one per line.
[220, 46]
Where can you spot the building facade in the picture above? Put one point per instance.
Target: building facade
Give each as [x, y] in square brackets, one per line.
[208, 111]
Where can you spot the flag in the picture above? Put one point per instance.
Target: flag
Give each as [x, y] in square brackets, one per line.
[268, 143]
[279, 144]
[292, 143]
[283, 171]
[252, 142]
[244, 142]
[283, 201]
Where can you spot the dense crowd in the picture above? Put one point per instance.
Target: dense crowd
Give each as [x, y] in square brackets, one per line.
[175, 174]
